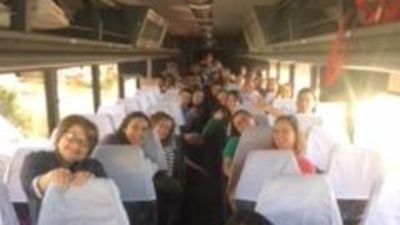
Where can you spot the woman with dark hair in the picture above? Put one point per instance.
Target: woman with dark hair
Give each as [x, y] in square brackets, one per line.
[286, 135]
[69, 164]
[240, 121]
[133, 129]
[233, 101]
[163, 126]
[168, 184]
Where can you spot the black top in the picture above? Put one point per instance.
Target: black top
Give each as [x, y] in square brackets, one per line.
[39, 163]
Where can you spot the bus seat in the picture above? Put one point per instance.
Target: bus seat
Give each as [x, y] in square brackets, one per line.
[261, 168]
[12, 177]
[143, 101]
[153, 150]
[384, 207]
[308, 122]
[103, 123]
[13, 182]
[133, 175]
[172, 109]
[355, 172]
[333, 116]
[320, 148]
[354, 175]
[117, 113]
[300, 200]
[96, 202]
[7, 213]
[130, 104]
[258, 137]
[4, 162]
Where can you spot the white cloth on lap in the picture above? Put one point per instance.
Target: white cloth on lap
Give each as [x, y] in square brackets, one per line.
[299, 200]
[95, 203]
[131, 171]
[261, 168]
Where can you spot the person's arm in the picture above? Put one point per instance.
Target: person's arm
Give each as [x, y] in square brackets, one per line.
[33, 168]
[213, 124]
[271, 110]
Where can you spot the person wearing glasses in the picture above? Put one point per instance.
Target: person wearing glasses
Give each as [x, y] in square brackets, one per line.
[68, 165]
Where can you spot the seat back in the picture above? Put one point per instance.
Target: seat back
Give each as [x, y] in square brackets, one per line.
[320, 148]
[153, 150]
[300, 200]
[261, 168]
[354, 173]
[116, 112]
[131, 171]
[130, 104]
[96, 202]
[385, 205]
[103, 123]
[13, 173]
[255, 138]
[308, 122]
[7, 213]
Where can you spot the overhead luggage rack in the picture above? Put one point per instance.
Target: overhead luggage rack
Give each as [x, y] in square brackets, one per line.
[375, 48]
[23, 51]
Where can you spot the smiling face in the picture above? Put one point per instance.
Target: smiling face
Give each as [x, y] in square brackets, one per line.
[305, 103]
[185, 98]
[198, 98]
[232, 103]
[284, 135]
[242, 121]
[163, 129]
[73, 145]
[222, 97]
[136, 130]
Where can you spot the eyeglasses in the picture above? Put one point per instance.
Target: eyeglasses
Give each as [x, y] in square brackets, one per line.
[72, 137]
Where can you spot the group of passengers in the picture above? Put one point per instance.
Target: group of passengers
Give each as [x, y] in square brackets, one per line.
[199, 159]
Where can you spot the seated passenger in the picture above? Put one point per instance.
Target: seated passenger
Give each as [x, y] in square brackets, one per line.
[284, 92]
[134, 131]
[233, 101]
[305, 101]
[305, 104]
[75, 139]
[163, 125]
[197, 115]
[240, 121]
[185, 96]
[246, 217]
[169, 188]
[286, 135]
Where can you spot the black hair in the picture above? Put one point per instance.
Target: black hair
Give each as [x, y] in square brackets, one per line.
[246, 217]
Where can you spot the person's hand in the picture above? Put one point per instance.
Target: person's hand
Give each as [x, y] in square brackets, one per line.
[231, 200]
[60, 177]
[81, 177]
[219, 115]
[193, 138]
[262, 105]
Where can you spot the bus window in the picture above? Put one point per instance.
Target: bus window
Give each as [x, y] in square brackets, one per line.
[75, 91]
[109, 83]
[23, 104]
[303, 77]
